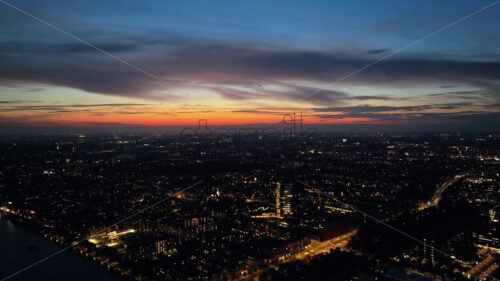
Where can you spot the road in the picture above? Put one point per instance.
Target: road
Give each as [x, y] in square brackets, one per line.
[484, 268]
[318, 247]
[433, 202]
[315, 248]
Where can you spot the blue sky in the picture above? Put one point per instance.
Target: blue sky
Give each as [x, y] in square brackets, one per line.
[300, 24]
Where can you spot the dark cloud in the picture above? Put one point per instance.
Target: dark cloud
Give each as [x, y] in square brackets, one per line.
[180, 62]
[107, 104]
[321, 96]
[141, 112]
[377, 51]
[291, 93]
[374, 98]
[491, 88]
[11, 123]
[234, 94]
[34, 90]
[454, 105]
[67, 108]
[467, 120]
[259, 112]
[419, 114]
[456, 93]
[493, 105]
[368, 108]
[18, 101]
[466, 95]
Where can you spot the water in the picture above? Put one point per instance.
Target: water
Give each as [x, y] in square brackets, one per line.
[15, 255]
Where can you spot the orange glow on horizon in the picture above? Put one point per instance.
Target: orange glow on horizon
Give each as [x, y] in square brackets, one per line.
[160, 118]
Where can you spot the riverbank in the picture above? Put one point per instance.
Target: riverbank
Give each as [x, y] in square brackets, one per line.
[22, 246]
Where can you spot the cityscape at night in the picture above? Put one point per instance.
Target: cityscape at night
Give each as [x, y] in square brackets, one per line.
[264, 208]
[249, 141]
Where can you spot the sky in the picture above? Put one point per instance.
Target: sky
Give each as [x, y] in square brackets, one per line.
[171, 63]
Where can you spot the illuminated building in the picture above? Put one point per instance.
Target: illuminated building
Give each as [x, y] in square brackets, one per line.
[283, 200]
[287, 200]
[433, 261]
[493, 214]
[160, 247]
[278, 195]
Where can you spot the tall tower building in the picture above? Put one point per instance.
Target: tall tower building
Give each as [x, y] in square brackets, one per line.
[287, 198]
[278, 196]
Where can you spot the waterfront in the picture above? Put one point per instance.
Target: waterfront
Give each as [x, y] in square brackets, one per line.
[21, 247]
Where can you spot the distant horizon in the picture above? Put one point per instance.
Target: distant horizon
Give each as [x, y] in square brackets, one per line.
[308, 129]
